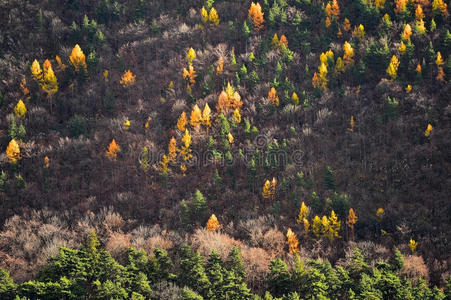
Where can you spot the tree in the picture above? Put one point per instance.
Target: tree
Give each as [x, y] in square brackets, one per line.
[228, 99]
[185, 151]
[46, 162]
[419, 15]
[292, 242]
[407, 32]
[234, 264]
[78, 59]
[213, 223]
[306, 226]
[348, 56]
[275, 41]
[439, 8]
[50, 82]
[279, 278]
[181, 122]
[272, 95]
[13, 151]
[113, 150]
[392, 68]
[213, 16]
[428, 130]
[190, 74]
[334, 226]
[220, 66]
[256, 15]
[316, 226]
[36, 72]
[204, 15]
[196, 117]
[351, 124]
[303, 213]
[193, 272]
[172, 149]
[237, 116]
[283, 41]
[328, 179]
[413, 245]
[352, 219]
[127, 79]
[206, 115]
[20, 109]
[190, 56]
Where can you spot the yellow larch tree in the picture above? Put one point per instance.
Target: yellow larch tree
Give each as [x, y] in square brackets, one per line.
[213, 223]
[346, 24]
[428, 130]
[306, 224]
[419, 15]
[334, 226]
[407, 32]
[324, 225]
[36, 72]
[292, 242]
[283, 41]
[237, 116]
[196, 117]
[319, 79]
[413, 245]
[228, 99]
[50, 85]
[256, 15]
[361, 32]
[61, 66]
[272, 96]
[269, 189]
[20, 109]
[204, 15]
[190, 56]
[181, 122]
[230, 138]
[172, 149]
[440, 7]
[379, 4]
[164, 164]
[190, 74]
[206, 115]
[275, 41]
[316, 226]
[113, 150]
[295, 98]
[46, 162]
[127, 79]
[303, 213]
[351, 124]
[213, 16]
[400, 6]
[78, 59]
[350, 222]
[392, 69]
[13, 151]
[220, 66]
[185, 150]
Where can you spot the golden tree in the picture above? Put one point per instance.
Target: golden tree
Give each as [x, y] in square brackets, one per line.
[272, 95]
[206, 114]
[401, 5]
[113, 150]
[185, 150]
[275, 41]
[164, 164]
[237, 116]
[213, 223]
[352, 219]
[303, 213]
[419, 15]
[346, 24]
[213, 16]
[228, 99]
[78, 59]
[13, 151]
[195, 117]
[220, 66]
[407, 32]
[50, 85]
[439, 7]
[24, 88]
[36, 72]
[256, 15]
[269, 189]
[380, 213]
[319, 79]
[428, 130]
[204, 15]
[324, 225]
[351, 124]
[392, 68]
[20, 109]
[172, 149]
[46, 162]
[181, 122]
[61, 66]
[283, 41]
[127, 79]
[316, 226]
[190, 74]
[361, 32]
[292, 242]
[190, 56]
[306, 227]
[413, 245]
[230, 138]
[334, 226]
[295, 98]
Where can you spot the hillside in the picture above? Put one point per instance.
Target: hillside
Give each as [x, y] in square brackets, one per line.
[310, 130]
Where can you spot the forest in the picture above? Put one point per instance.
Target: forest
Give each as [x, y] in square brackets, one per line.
[225, 149]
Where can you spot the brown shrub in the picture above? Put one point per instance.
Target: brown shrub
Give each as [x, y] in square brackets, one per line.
[415, 268]
[118, 243]
[206, 241]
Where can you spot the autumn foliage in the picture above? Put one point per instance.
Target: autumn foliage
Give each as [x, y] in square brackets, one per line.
[113, 150]
[13, 151]
[213, 223]
[256, 15]
[78, 59]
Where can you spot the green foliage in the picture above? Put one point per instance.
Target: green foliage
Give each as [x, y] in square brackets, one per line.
[279, 278]
[77, 126]
[16, 132]
[7, 285]
[328, 179]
